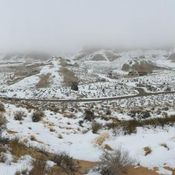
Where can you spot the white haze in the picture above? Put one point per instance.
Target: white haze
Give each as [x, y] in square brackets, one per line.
[67, 25]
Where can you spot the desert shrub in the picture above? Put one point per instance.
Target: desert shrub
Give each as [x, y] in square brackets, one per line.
[133, 113]
[74, 86]
[107, 147]
[68, 114]
[66, 163]
[54, 108]
[158, 111]
[165, 146]
[108, 112]
[19, 115]
[165, 108]
[3, 157]
[130, 127]
[18, 173]
[145, 114]
[24, 172]
[33, 138]
[2, 107]
[3, 142]
[147, 150]
[125, 67]
[3, 148]
[164, 114]
[114, 163]
[89, 115]
[140, 114]
[81, 123]
[112, 125]
[158, 121]
[2, 121]
[37, 116]
[60, 136]
[95, 127]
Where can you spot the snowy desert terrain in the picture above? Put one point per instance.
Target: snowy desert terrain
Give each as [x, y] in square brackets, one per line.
[85, 104]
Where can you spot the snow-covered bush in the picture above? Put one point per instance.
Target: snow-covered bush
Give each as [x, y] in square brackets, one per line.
[2, 107]
[37, 116]
[95, 127]
[89, 115]
[114, 163]
[74, 86]
[19, 115]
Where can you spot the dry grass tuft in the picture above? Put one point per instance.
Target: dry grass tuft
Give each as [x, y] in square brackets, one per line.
[2, 107]
[130, 126]
[165, 146]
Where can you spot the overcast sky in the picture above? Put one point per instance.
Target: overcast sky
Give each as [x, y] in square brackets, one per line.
[66, 25]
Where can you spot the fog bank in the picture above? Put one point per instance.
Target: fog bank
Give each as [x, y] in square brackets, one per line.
[68, 25]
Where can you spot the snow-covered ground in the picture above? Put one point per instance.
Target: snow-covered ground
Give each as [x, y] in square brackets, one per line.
[9, 167]
[64, 127]
[100, 74]
[58, 133]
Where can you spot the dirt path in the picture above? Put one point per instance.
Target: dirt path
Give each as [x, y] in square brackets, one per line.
[87, 99]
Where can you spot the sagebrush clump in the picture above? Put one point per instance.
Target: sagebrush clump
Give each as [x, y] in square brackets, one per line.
[147, 150]
[89, 115]
[37, 116]
[2, 107]
[114, 163]
[19, 115]
[96, 126]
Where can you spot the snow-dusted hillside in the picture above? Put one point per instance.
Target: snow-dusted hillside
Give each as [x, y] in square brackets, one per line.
[102, 73]
[143, 125]
[68, 128]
